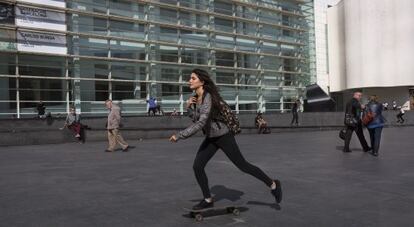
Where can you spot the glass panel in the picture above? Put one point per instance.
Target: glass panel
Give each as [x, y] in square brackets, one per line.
[7, 39]
[36, 65]
[165, 34]
[93, 90]
[127, 29]
[126, 49]
[93, 47]
[126, 8]
[223, 24]
[271, 63]
[247, 78]
[169, 73]
[273, 79]
[194, 38]
[247, 61]
[168, 54]
[194, 56]
[224, 42]
[228, 93]
[247, 94]
[224, 58]
[7, 63]
[7, 95]
[225, 77]
[170, 92]
[42, 89]
[128, 71]
[122, 90]
[223, 8]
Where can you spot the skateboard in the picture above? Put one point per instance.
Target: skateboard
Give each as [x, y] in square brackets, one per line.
[199, 215]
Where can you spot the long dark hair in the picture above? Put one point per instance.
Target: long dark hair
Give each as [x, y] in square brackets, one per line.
[211, 88]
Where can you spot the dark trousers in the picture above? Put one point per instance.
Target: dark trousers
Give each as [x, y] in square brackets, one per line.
[400, 118]
[228, 144]
[375, 135]
[360, 134]
[295, 117]
[153, 109]
[75, 127]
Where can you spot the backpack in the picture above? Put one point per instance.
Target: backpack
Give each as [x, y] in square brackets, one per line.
[229, 118]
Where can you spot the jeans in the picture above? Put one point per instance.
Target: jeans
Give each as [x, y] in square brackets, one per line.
[375, 135]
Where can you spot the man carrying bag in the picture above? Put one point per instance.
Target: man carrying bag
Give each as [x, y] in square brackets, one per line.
[353, 122]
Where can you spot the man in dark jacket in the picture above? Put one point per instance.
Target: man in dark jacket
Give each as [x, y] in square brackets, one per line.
[354, 108]
[295, 110]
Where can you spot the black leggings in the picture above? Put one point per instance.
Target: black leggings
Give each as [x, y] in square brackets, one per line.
[228, 144]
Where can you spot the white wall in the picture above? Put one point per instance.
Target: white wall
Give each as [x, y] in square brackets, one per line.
[336, 47]
[378, 38]
[321, 42]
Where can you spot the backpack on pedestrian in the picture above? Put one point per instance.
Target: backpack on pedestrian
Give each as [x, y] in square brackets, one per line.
[229, 118]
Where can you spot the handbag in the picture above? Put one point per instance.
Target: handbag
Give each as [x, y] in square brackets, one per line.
[350, 120]
[342, 133]
[367, 117]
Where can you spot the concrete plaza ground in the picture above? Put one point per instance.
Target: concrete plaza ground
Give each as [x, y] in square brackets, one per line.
[80, 185]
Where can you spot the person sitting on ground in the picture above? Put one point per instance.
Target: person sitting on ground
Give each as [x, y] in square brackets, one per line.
[261, 124]
[158, 108]
[41, 110]
[72, 122]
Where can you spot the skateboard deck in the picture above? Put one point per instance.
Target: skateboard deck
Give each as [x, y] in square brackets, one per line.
[199, 215]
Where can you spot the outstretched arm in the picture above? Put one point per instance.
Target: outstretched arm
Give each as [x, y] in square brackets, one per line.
[205, 109]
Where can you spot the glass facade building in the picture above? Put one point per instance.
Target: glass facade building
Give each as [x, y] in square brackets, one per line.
[82, 52]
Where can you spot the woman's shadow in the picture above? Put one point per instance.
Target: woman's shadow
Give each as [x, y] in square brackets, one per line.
[220, 193]
[224, 197]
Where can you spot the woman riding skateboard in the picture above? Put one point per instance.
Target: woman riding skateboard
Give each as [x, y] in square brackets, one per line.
[204, 107]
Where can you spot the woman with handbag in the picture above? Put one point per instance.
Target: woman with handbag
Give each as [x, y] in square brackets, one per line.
[376, 124]
[204, 108]
[353, 122]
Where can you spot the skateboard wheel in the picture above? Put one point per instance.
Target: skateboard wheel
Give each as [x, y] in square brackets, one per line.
[198, 217]
[236, 212]
[192, 214]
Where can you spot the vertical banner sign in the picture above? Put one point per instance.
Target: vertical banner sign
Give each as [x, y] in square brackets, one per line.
[6, 13]
[40, 18]
[41, 43]
[55, 3]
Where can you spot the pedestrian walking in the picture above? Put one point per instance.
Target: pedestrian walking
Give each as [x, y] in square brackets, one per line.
[353, 122]
[295, 115]
[376, 124]
[401, 113]
[112, 126]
